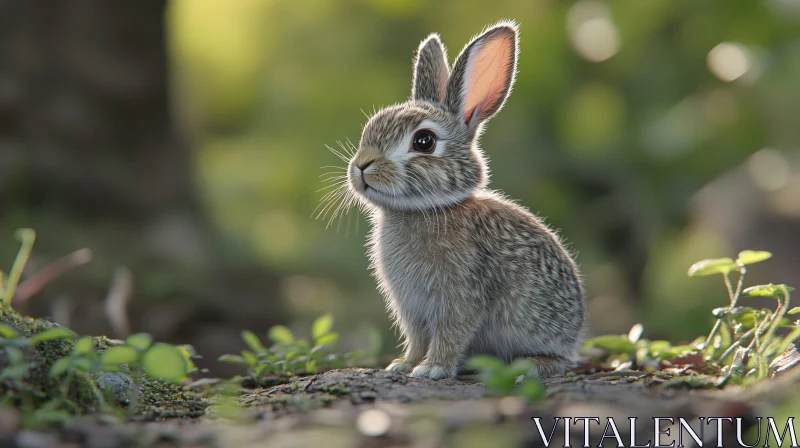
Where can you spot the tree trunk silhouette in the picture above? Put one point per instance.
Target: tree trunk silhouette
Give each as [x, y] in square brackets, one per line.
[90, 156]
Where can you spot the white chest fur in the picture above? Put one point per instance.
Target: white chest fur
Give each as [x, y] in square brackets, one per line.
[413, 262]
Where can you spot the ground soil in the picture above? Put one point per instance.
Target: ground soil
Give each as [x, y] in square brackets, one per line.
[372, 408]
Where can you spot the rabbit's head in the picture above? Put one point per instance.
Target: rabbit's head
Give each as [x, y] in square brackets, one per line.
[423, 154]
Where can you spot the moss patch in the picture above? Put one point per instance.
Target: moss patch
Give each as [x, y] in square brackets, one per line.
[161, 400]
[78, 392]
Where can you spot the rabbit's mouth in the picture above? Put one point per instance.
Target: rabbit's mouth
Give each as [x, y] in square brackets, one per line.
[374, 194]
[366, 185]
[370, 190]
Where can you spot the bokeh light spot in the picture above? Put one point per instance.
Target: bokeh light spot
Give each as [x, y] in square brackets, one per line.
[373, 423]
[592, 32]
[768, 169]
[728, 61]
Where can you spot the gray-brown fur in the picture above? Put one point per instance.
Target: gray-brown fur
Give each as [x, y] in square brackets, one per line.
[464, 270]
[430, 83]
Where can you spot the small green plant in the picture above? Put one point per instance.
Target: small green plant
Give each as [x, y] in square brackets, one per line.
[9, 286]
[633, 351]
[288, 355]
[503, 379]
[50, 373]
[160, 361]
[743, 341]
[19, 376]
[79, 368]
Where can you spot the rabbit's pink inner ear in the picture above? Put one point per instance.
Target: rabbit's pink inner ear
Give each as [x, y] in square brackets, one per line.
[489, 73]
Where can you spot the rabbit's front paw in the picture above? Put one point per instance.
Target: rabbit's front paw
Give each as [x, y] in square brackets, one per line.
[399, 366]
[432, 371]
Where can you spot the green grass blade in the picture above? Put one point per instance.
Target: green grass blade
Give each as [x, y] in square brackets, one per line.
[27, 236]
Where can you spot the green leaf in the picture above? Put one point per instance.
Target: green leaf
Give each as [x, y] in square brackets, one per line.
[532, 390]
[18, 371]
[327, 339]
[788, 340]
[281, 334]
[769, 290]
[233, 359]
[8, 332]
[119, 355]
[54, 334]
[711, 267]
[15, 355]
[84, 345]
[311, 366]
[188, 352]
[317, 349]
[500, 382]
[249, 357]
[521, 367]
[753, 256]
[795, 310]
[139, 341]
[620, 344]
[83, 364]
[165, 362]
[111, 368]
[321, 326]
[486, 363]
[60, 366]
[676, 352]
[658, 346]
[750, 319]
[51, 416]
[354, 354]
[253, 342]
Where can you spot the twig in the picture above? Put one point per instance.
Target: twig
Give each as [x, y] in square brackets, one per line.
[116, 303]
[61, 310]
[52, 271]
[615, 374]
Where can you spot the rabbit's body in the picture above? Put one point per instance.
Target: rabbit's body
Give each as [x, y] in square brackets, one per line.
[485, 272]
[464, 270]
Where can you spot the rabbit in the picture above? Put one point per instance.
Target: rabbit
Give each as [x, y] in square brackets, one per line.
[464, 270]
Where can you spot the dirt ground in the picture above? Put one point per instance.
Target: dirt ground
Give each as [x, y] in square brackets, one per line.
[375, 408]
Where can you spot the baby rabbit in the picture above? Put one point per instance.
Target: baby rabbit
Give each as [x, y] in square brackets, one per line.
[464, 270]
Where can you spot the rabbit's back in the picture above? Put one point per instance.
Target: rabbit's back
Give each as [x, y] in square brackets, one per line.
[487, 256]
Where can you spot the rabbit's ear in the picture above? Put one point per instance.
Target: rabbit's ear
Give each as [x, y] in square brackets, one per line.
[483, 75]
[431, 71]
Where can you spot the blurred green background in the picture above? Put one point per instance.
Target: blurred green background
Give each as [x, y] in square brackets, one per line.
[651, 133]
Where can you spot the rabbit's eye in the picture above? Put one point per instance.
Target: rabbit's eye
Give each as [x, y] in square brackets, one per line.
[424, 141]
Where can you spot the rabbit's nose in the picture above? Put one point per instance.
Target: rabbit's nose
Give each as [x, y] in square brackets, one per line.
[364, 165]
